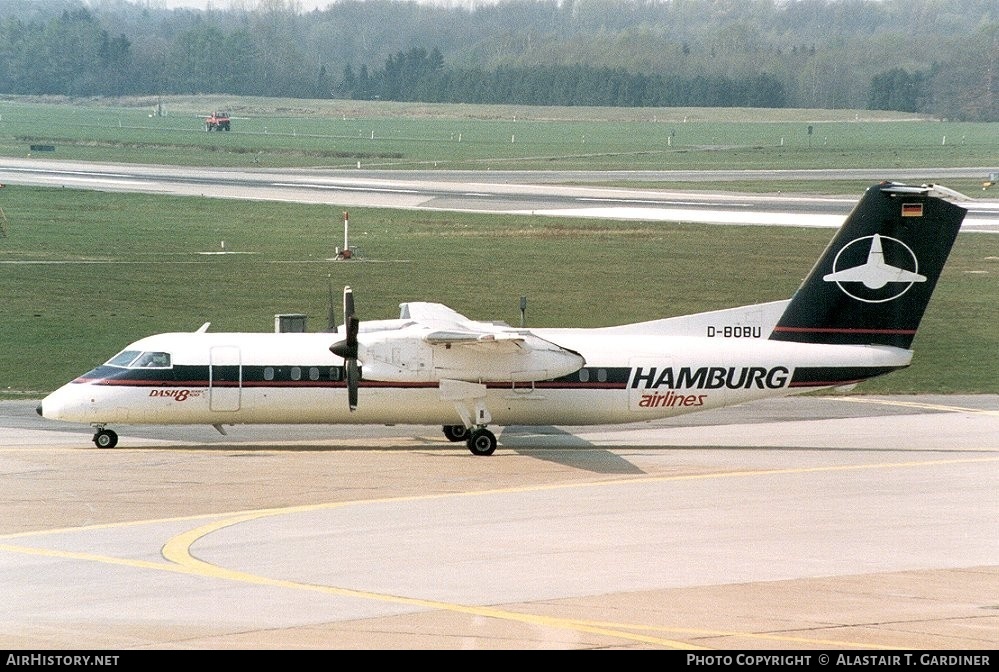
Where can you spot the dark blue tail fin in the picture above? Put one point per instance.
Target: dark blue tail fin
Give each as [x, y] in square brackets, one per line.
[873, 282]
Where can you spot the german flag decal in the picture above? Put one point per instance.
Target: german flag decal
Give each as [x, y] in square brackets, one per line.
[912, 209]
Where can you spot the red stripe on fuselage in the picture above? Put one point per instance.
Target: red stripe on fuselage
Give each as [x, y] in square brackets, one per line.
[826, 330]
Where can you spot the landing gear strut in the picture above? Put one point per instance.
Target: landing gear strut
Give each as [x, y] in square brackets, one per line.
[469, 400]
[105, 438]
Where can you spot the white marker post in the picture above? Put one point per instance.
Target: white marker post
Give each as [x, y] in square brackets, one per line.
[345, 253]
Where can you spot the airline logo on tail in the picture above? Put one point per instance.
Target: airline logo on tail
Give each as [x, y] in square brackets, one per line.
[875, 280]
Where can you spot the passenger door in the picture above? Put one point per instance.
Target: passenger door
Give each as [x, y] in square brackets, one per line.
[225, 378]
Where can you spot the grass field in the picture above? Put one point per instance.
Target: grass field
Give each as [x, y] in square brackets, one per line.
[84, 273]
[344, 134]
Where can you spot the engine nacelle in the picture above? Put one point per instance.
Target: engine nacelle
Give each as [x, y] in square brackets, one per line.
[520, 358]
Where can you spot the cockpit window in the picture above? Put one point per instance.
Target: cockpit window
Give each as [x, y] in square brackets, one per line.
[123, 359]
[152, 360]
[133, 359]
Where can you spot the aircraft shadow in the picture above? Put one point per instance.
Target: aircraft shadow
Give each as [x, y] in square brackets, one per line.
[552, 444]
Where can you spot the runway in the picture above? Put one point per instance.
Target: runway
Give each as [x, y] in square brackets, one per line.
[805, 523]
[548, 193]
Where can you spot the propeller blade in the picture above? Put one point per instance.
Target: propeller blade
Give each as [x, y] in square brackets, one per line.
[347, 348]
[353, 326]
[353, 375]
[348, 302]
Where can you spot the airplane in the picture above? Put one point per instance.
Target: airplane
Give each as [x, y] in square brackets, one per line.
[875, 273]
[854, 317]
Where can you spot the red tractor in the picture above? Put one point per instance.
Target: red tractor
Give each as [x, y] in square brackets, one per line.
[219, 121]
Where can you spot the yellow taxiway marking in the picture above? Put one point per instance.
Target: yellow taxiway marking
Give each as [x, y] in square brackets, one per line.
[179, 559]
[178, 551]
[919, 404]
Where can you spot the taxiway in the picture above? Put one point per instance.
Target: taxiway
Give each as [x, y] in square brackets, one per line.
[809, 523]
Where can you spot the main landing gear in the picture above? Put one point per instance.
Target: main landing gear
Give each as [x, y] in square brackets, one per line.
[469, 400]
[105, 438]
[480, 441]
[456, 433]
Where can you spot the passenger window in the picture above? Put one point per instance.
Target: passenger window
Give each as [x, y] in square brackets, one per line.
[268, 373]
[314, 373]
[296, 373]
[584, 376]
[602, 375]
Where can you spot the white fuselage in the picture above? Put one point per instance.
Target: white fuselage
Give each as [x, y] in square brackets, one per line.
[247, 378]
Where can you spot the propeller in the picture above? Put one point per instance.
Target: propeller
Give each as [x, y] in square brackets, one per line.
[347, 348]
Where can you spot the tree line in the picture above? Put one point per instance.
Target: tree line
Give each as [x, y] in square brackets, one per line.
[926, 56]
[419, 75]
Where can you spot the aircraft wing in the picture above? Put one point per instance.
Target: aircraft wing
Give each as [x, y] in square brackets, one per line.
[429, 313]
[437, 315]
[451, 346]
[447, 327]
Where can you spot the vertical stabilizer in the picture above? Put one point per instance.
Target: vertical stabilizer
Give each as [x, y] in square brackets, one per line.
[872, 284]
